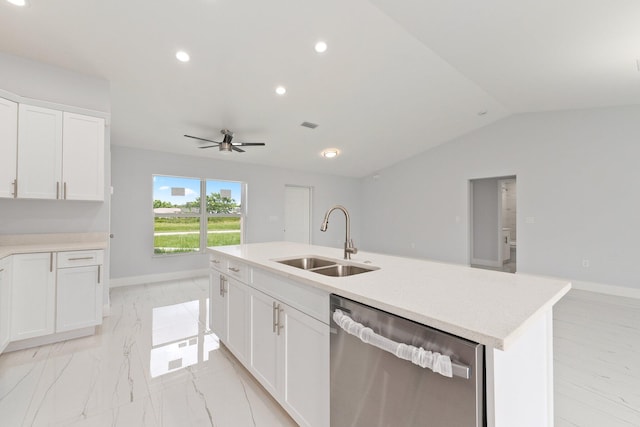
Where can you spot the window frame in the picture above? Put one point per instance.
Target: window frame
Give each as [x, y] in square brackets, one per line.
[203, 215]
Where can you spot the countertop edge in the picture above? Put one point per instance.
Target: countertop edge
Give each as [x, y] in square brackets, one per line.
[498, 342]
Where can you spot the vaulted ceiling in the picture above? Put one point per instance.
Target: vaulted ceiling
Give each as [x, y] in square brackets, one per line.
[399, 76]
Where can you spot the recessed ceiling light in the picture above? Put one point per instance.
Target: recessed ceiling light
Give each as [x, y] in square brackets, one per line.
[18, 2]
[182, 56]
[281, 90]
[320, 47]
[330, 153]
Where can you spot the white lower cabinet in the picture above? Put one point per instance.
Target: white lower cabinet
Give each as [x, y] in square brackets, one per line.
[237, 295]
[5, 302]
[33, 295]
[265, 351]
[79, 289]
[218, 304]
[285, 348]
[290, 358]
[55, 292]
[306, 367]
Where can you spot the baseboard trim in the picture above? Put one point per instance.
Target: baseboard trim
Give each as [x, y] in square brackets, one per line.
[154, 278]
[600, 288]
[485, 262]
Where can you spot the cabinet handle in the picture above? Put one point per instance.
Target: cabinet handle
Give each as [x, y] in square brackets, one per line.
[280, 310]
[215, 261]
[65, 190]
[220, 287]
[15, 188]
[99, 274]
[81, 258]
[223, 291]
[274, 315]
[235, 270]
[50, 262]
[57, 190]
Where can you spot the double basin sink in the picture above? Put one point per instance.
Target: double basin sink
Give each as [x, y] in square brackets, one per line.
[326, 266]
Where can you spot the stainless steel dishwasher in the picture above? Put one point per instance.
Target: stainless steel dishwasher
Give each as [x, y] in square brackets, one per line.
[374, 387]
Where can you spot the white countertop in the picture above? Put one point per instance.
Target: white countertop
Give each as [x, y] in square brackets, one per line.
[57, 242]
[489, 307]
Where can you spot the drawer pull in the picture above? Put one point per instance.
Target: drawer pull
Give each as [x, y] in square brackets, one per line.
[215, 261]
[81, 258]
[99, 274]
[235, 270]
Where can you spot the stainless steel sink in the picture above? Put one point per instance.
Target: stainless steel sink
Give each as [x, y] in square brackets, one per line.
[342, 270]
[327, 267]
[307, 263]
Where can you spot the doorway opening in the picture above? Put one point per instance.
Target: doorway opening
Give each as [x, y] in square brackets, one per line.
[493, 229]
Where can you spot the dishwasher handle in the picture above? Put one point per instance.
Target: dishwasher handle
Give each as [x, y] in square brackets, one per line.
[437, 362]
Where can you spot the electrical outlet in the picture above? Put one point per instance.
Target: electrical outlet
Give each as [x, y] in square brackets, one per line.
[585, 263]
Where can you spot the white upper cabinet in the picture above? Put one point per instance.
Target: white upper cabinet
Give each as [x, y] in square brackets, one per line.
[8, 146]
[83, 157]
[60, 155]
[39, 152]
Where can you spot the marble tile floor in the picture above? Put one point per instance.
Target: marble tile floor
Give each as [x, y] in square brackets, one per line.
[596, 360]
[153, 363]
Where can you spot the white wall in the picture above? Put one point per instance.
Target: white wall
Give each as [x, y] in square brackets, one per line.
[576, 172]
[43, 82]
[132, 217]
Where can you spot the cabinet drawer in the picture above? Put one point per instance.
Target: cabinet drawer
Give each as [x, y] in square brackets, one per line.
[80, 258]
[218, 262]
[309, 300]
[238, 270]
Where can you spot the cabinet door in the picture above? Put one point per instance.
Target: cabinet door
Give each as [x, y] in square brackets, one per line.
[8, 146]
[83, 157]
[237, 319]
[33, 295]
[306, 368]
[39, 152]
[217, 305]
[79, 298]
[264, 342]
[5, 302]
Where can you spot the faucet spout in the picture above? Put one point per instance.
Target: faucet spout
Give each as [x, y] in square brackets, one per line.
[348, 242]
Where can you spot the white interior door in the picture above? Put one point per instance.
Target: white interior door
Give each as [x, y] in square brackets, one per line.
[297, 214]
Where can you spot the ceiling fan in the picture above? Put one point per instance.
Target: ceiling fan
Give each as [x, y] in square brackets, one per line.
[226, 146]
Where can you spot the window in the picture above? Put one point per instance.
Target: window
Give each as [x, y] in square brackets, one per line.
[191, 214]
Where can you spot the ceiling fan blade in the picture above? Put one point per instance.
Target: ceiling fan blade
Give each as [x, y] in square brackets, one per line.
[209, 146]
[234, 148]
[202, 139]
[248, 144]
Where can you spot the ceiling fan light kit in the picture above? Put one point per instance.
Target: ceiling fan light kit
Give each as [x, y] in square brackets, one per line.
[226, 146]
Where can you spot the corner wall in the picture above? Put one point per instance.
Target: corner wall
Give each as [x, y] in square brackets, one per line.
[576, 173]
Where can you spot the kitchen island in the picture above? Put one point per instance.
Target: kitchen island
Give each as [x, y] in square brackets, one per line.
[510, 314]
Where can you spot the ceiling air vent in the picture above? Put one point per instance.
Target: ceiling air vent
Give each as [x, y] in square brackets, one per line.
[309, 125]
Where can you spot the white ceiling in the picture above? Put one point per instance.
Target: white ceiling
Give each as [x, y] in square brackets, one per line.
[399, 77]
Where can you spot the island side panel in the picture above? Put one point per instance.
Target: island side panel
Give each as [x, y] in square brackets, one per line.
[520, 379]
